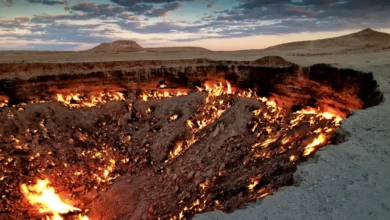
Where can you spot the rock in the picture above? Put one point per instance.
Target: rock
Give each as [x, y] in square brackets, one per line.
[210, 172]
[216, 132]
[190, 175]
[221, 127]
[233, 133]
[197, 181]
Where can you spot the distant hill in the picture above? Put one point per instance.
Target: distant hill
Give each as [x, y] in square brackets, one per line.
[118, 46]
[366, 39]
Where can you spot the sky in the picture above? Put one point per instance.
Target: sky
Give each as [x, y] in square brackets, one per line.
[213, 24]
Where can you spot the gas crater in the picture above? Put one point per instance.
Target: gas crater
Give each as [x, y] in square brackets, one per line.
[163, 139]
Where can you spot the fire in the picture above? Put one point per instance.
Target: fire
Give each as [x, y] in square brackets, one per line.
[78, 100]
[178, 148]
[3, 103]
[229, 88]
[160, 95]
[328, 113]
[312, 146]
[144, 97]
[190, 124]
[173, 117]
[253, 185]
[43, 197]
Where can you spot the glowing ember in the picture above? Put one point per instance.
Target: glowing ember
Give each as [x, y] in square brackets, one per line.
[174, 117]
[252, 185]
[44, 198]
[3, 103]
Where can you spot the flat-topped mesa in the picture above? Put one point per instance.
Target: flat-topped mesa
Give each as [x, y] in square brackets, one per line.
[291, 86]
[118, 46]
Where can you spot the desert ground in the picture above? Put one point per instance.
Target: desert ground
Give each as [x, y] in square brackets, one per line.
[350, 180]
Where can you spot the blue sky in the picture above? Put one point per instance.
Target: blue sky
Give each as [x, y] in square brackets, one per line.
[214, 24]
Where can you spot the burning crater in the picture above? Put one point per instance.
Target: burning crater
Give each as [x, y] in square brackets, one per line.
[163, 139]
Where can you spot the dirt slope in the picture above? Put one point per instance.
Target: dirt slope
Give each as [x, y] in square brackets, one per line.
[365, 40]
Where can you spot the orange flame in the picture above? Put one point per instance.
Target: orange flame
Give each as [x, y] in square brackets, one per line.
[229, 88]
[77, 100]
[328, 113]
[47, 201]
[312, 146]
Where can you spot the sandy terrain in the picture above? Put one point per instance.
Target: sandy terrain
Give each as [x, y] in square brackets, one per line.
[347, 181]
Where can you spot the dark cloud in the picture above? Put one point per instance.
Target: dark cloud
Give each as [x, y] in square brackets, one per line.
[211, 5]
[159, 12]
[130, 3]
[281, 9]
[48, 2]
[92, 10]
[111, 11]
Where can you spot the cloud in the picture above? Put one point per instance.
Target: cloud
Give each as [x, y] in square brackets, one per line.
[150, 8]
[260, 9]
[164, 10]
[92, 10]
[48, 2]
[8, 3]
[130, 3]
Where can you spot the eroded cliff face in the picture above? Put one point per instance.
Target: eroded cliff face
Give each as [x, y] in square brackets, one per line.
[288, 84]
